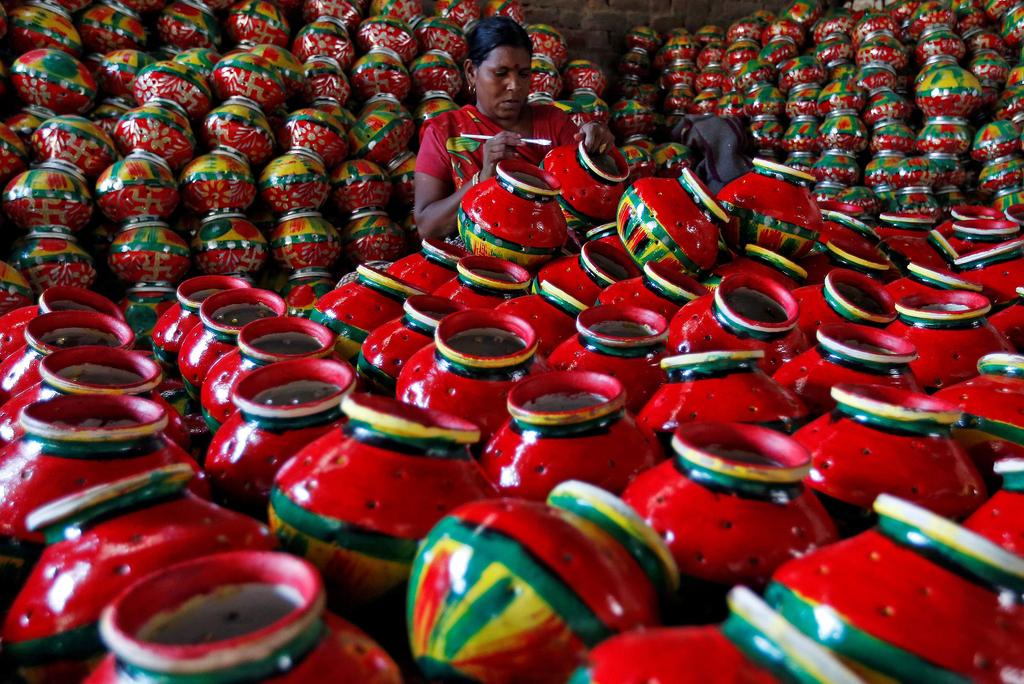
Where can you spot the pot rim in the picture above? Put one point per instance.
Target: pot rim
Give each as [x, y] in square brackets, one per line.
[50, 420]
[776, 169]
[151, 375]
[593, 169]
[485, 318]
[675, 282]
[189, 287]
[982, 228]
[133, 610]
[790, 462]
[766, 286]
[507, 167]
[864, 284]
[249, 295]
[254, 330]
[835, 337]
[428, 310]
[467, 264]
[966, 212]
[844, 249]
[533, 387]
[78, 295]
[912, 306]
[89, 320]
[386, 281]
[283, 372]
[655, 322]
[612, 254]
[897, 405]
[930, 275]
[723, 357]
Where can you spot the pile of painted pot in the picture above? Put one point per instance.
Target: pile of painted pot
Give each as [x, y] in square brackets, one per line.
[913, 107]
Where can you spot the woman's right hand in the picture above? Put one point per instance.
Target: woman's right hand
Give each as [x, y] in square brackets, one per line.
[502, 146]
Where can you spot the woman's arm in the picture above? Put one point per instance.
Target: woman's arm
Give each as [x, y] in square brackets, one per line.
[436, 206]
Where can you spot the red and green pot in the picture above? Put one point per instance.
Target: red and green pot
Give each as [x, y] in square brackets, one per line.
[429, 268]
[1009, 321]
[527, 558]
[483, 282]
[732, 507]
[558, 422]
[326, 504]
[585, 275]
[591, 184]
[844, 297]
[661, 288]
[551, 313]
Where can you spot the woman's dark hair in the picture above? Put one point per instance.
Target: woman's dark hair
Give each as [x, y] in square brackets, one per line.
[496, 32]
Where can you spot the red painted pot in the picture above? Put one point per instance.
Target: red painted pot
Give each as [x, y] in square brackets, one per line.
[884, 439]
[851, 252]
[82, 371]
[660, 288]
[991, 428]
[297, 629]
[624, 342]
[260, 343]
[558, 422]
[64, 298]
[431, 267]
[107, 536]
[483, 282]
[1009, 321]
[923, 280]
[745, 312]
[182, 317]
[844, 296]
[950, 332]
[222, 316]
[359, 306]
[585, 275]
[918, 589]
[848, 353]
[592, 185]
[999, 518]
[59, 330]
[359, 184]
[333, 484]
[772, 206]
[386, 349]
[476, 358]
[525, 546]
[720, 387]
[745, 480]
[753, 645]
[755, 260]
[551, 313]
[671, 219]
[281, 408]
[522, 190]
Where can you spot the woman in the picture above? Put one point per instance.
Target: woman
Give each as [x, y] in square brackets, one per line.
[498, 72]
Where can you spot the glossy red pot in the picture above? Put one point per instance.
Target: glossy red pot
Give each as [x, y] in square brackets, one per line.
[950, 332]
[883, 439]
[524, 546]
[758, 261]
[522, 190]
[105, 537]
[624, 342]
[745, 312]
[59, 330]
[306, 639]
[922, 280]
[848, 353]
[660, 288]
[583, 276]
[559, 422]
[918, 589]
[65, 298]
[180, 318]
[853, 252]
[592, 185]
[333, 484]
[844, 297]
[551, 313]
[429, 268]
[358, 306]
[222, 316]
[260, 343]
[999, 518]
[84, 371]
[721, 387]
[483, 282]
[731, 507]
[476, 358]
[389, 346]
[1009, 321]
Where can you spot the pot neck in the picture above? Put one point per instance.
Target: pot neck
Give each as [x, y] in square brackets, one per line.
[851, 352]
[973, 315]
[691, 367]
[938, 280]
[389, 425]
[893, 414]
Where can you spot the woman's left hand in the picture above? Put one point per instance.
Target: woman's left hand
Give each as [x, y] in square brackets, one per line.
[596, 137]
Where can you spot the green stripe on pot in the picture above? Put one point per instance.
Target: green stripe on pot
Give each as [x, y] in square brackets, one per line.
[1008, 365]
[953, 547]
[776, 261]
[768, 639]
[1011, 470]
[1008, 251]
[349, 332]
[656, 244]
[268, 667]
[849, 311]
[469, 230]
[616, 518]
[891, 418]
[685, 367]
[634, 351]
[852, 643]
[339, 533]
[431, 447]
[90, 449]
[490, 546]
[286, 422]
[559, 299]
[943, 320]
[211, 423]
[504, 373]
[80, 643]
[850, 222]
[939, 242]
[994, 428]
[939, 280]
[219, 176]
[765, 483]
[751, 222]
[596, 425]
[376, 376]
[575, 215]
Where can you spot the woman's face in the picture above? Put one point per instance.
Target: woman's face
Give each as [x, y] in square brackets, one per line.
[502, 82]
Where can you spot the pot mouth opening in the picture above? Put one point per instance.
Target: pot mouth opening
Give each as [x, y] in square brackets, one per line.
[294, 389]
[856, 254]
[967, 212]
[756, 304]
[228, 311]
[68, 329]
[857, 297]
[943, 307]
[100, 370]
[892, 407]
[493, 273]
[866, 345]
[676, 284]
[71, 298]
[620, 326]
[194, 291]
[526, 179]
[285, 337]
[609, 167]
[485, 339]
[985, 229]
[93, 419]
[264, 602]
[701, 195]
[741, 453]
[940, 279]
[565, 398]
[427, 310]
[606, 263]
